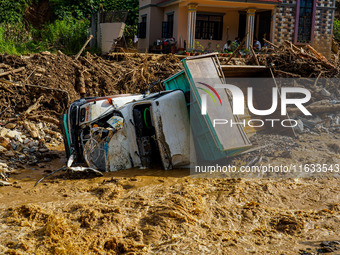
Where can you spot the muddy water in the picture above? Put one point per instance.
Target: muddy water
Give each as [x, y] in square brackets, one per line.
[152, 211]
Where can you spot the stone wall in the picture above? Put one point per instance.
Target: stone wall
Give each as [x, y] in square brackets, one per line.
[284, 21]
[323, 30]
[324, 27]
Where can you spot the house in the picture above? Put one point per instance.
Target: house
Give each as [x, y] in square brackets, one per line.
[211, 23]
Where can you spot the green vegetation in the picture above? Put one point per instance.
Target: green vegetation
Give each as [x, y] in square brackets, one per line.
[336, 29]
[12, 11]
[66, 30]
[67, 35]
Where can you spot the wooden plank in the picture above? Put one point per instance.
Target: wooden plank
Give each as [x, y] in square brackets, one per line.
[254, 55]
[245, 71]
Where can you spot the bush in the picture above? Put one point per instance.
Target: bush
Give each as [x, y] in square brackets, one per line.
[67, 35]
[336, 29]
[13, 39]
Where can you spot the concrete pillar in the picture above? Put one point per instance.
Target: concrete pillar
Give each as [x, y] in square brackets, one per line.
[192, 9]
[250, 27]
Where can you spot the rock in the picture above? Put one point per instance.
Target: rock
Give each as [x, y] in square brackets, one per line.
[311, 123]
[325, 92]
[33, 144]
[4, 183]
[3, 132]
[19, 147]
[43, 150]
[12, 133]
[33, 149]
[22, 157]
[2, 149]
[3, 165]
[286, 154]
[5, 143]
[10, 125]
[333, 147]
[9, 154]
[14, 146]
[32, 129]
[299, 127]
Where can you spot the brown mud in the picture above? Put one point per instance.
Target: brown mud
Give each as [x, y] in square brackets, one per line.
[153, 211]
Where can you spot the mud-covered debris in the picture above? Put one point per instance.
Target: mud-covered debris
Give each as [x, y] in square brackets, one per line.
[56, 77]
[22, 146]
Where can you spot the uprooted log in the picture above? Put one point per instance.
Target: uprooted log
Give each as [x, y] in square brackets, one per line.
[82, 49]
[270, 43]
[34, 107]
[320, 57]
[44, 119]
[287, 73]
[81, 84]
[12, 71]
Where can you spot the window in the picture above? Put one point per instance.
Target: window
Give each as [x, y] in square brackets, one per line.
[209, 27]
[168, 27]
[141, 29]
[304, 19]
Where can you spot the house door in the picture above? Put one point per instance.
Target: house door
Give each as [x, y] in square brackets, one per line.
[264, 25]
[242, 25]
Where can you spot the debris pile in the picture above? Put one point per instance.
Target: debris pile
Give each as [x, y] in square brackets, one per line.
[288, 60]
[60, 79]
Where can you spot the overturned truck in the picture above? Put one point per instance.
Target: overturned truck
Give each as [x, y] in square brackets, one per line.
[162, 129]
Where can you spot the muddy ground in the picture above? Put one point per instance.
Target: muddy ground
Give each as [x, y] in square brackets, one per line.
[153, 211]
